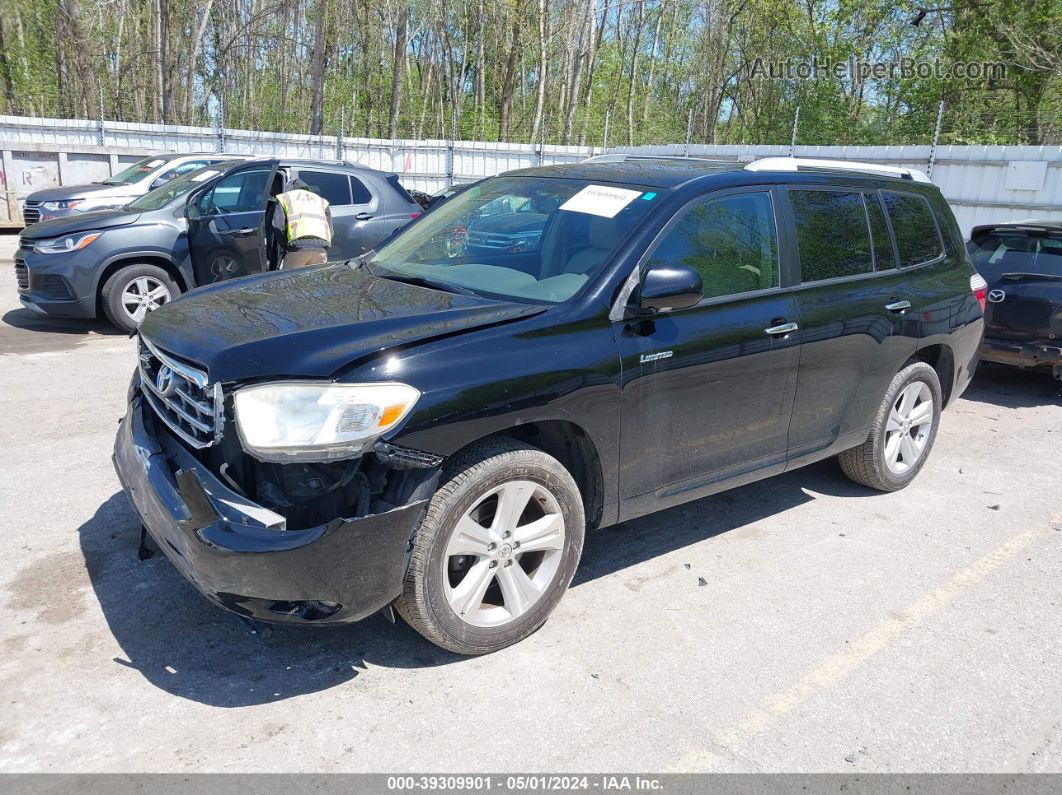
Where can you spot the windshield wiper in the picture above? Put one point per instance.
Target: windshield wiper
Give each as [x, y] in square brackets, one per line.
[423, 281]
[1017, 276]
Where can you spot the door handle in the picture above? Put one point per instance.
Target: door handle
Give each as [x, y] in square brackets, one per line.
[781, 330]
[249, 230]
[898, 306]
[363, 217]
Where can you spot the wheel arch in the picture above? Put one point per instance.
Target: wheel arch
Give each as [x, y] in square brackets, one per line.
[570, 444]
[942, 359]
[125, 260]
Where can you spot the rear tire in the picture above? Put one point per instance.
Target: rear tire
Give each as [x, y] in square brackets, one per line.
[497, 548]
[903, 433]
[134, 290]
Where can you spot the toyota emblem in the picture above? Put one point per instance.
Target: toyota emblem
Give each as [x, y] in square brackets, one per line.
[164, 382]
[995, 296]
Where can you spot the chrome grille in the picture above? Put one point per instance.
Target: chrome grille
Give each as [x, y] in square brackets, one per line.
[21, 275]
[31, 212]
[181, 397]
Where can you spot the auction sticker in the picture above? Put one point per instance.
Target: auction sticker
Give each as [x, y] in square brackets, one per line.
[600, 200]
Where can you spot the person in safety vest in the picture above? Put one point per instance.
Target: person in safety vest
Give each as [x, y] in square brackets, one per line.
[303, 223]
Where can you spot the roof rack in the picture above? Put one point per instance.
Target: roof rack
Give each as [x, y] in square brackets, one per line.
[619, 157]
[812, 164]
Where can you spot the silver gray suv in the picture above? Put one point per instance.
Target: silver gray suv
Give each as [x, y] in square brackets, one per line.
[116, 191]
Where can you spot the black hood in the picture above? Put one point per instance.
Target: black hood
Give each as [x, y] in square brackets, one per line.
[311, 322]
[82, 222]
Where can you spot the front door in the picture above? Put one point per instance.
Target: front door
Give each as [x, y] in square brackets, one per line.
[227, 225]
[707, 391]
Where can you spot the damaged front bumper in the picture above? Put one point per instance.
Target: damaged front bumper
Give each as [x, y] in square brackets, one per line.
[240, 555]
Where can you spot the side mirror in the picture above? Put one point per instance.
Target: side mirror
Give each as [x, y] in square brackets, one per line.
[191, 211]
[667, 287]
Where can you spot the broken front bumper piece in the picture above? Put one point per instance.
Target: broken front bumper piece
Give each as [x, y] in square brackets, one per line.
[239, 554]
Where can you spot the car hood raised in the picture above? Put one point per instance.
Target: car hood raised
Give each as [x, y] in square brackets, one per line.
[82, 222]
[311, 322]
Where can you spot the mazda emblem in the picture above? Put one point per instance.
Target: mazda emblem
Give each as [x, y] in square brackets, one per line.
[995, 296]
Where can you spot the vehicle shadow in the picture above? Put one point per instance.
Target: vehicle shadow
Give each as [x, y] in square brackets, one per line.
[188, 647]
[629, 543]
[1012, 387]
[28, 320]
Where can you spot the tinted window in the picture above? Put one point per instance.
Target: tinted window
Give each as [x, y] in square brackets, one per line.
[917, 240]
[884, 257]
[360, 193]
[832, 234]
[237, 193]
[333, 188]
[730, 241]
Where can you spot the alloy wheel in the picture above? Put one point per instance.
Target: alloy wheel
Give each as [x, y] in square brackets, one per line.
[503, 554]
[142, 295]
[908, 427]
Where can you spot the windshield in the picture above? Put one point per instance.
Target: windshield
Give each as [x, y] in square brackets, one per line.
[532, 238]
[1000, 252]
[173, 189]
[136, 172]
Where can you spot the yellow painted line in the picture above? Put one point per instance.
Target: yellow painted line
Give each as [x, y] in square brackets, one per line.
[839, 665]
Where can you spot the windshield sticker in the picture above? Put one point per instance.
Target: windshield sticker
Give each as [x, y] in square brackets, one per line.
[600, 200]
[153, 164]
[205, 175]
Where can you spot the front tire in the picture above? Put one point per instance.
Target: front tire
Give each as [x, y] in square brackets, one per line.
[134, 290]
[497, 548]
[903, 433]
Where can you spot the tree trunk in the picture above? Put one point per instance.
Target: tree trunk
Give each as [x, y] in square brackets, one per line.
[543, 67]
[317, 73]
[193, 60]
[398, 68]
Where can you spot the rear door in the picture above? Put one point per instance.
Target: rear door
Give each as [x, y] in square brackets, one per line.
[226, 225]
[359, 220]
[853, 302]
[707, 390]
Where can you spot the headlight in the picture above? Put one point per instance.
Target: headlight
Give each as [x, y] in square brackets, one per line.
[63, 204]
[64, 244]
[318, 422]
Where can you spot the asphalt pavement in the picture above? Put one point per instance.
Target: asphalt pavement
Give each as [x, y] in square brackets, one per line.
[802, 623]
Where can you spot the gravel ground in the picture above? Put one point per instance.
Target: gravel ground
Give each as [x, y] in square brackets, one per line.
[836, 629]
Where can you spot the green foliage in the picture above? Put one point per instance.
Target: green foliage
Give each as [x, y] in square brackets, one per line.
[650, 71]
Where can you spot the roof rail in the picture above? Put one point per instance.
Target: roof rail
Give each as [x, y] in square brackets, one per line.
[812, 164]
[620, 157]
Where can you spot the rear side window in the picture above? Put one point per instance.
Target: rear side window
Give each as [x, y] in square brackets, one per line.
[333, 188]
[359, 192]
[730, 240]
[884, 256]
[917, 239]
[832, 234]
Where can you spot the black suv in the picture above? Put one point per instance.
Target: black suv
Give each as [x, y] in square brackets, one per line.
[435, 426]
[202, 227]
[1022, 264]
